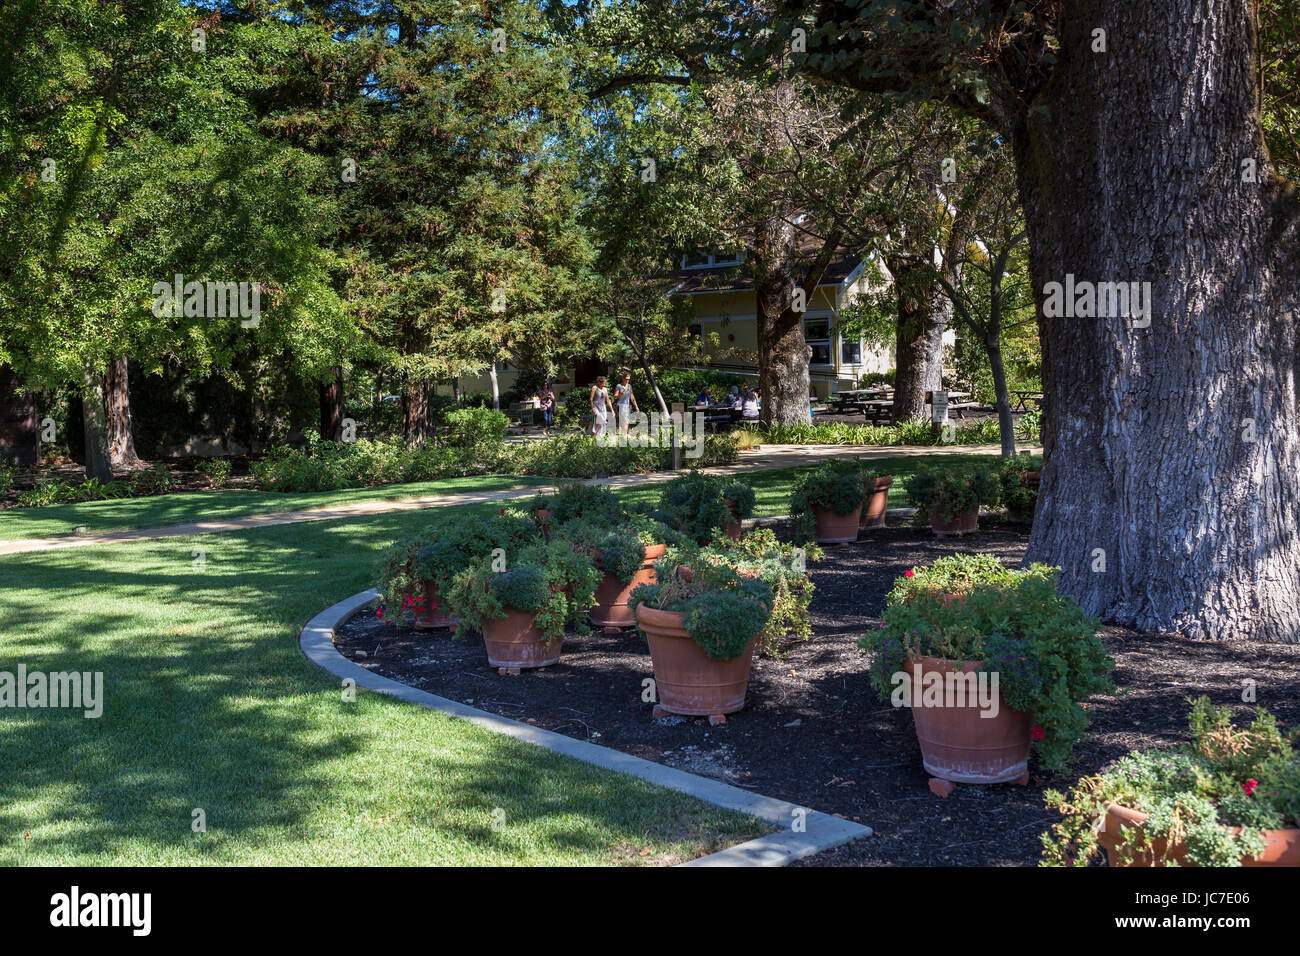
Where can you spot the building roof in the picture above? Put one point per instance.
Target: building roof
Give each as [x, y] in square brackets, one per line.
[741, 278]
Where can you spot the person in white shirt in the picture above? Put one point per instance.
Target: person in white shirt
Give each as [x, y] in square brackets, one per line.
[600, 407]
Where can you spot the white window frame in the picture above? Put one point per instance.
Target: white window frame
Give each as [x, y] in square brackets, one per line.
[829, 339]
[861, 350]
[713, 260]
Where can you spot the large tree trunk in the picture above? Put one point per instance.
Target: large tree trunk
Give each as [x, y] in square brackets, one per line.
[95, 425]
[415, 413]
[1172, 451]
[117, 407]
[331, 406]
[918, 348]
[783, 376]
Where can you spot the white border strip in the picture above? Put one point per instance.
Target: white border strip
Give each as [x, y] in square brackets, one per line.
[821, 831]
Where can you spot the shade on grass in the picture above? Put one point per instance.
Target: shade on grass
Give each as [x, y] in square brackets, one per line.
[209, 704]
[123, 514]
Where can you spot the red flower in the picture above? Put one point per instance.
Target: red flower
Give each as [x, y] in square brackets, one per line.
[503, 510]
[909, 573]
[379, 613]
[1037, 733]
[1249, 786]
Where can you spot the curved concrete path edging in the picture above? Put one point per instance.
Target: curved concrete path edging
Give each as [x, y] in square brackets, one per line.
[820, 831]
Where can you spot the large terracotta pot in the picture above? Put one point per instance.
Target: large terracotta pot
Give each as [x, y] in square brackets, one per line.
[873, 513]
[612, 595]
[837, 529]
[964, 522]
[732, 526]
[435, 614]
[514, 641]
[690, 682]
[958, 744]
[1282, 849]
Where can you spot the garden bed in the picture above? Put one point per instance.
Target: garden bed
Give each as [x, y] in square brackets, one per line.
[813, 732]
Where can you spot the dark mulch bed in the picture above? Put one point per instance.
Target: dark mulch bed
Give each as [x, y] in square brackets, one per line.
[185, 476]
[814, 733]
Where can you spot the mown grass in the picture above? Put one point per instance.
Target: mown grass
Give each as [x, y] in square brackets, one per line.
[210, 705]
[125, 514]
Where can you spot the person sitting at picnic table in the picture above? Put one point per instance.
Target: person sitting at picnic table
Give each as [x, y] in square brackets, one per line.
[546, 401]
[703, 397]
[752, 403]
[733, 397]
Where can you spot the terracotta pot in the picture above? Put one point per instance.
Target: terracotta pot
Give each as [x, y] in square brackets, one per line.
[837, 529]
[873, 513]
[1282, 846]
[964, 522]
[690, 682]
[435, 614]
[514, 641]
[958, 744]
[612, 595]
[732, 527]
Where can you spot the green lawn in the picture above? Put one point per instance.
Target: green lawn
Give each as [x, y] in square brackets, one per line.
[210, 704]
[130, 513]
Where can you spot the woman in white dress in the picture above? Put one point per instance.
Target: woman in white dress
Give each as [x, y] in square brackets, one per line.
[600, 407]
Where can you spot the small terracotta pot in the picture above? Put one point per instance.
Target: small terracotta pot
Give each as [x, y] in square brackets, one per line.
[435, 613]
[612, 595]
[873, 513]
[1282, 846]
[837, 529]
[688, 681]
[958, 744]
[514, 641]
[732, 527]
[964, 522]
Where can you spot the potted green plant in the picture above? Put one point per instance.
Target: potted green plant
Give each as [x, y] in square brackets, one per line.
[522, 609]
[783, 567]
[702, 620]
[990, 660]
[951, 498]
[625, 553]
[574, 499]
[699, 505]
[826, 502]
[1018, 487]
[875, 486]
[1230, 797]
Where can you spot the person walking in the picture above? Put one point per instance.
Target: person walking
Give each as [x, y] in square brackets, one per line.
[546, 401]
[600, 407]
[624, 401]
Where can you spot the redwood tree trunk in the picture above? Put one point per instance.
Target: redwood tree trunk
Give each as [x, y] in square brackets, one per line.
[94, 421]
[117, 407]
[1172, 451]
[331, 406]
[783, 376]
[918, 349]
[415, 413]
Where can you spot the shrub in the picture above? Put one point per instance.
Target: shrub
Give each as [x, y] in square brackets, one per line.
[1042, 646]
[216, 470]
[723, 609]
[553, 581]
[154, 480]
[474, 428]
[1014, 493]
[952, 491]
[1193, 794]
[783, 568]
[835, 486]
[696, 504]
[7, 475]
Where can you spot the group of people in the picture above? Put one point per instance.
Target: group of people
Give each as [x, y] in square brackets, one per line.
[748, 401]
[622, 403]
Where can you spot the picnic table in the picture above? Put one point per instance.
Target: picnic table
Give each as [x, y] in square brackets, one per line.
[718, 416]
[1024, 397]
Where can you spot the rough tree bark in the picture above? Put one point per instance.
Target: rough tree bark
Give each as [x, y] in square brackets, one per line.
[1172, 473]
[331, 406]
[95, 425]
[415, 413]
[918, 347]
[117, 408]
[783, 376]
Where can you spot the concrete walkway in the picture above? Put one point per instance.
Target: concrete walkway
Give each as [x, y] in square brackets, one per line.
[765, 458]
